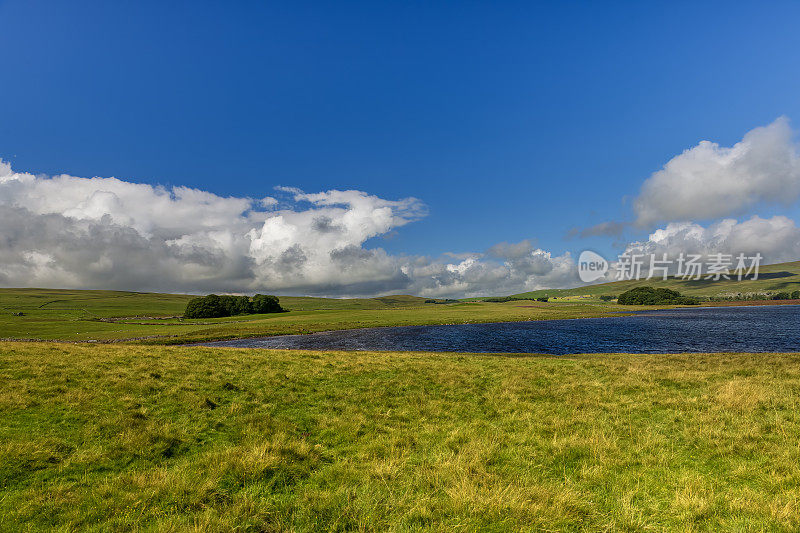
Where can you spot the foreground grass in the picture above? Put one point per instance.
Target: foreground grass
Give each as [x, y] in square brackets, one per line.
[131, 438]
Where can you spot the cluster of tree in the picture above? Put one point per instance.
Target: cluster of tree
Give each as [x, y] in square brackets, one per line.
[607, 297]
[213, 306]
[445, 301]
[653, 296]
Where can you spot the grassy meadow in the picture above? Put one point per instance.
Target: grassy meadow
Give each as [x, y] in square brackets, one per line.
[154, 438]
[139, 436]
[80, 316]
[155, 318]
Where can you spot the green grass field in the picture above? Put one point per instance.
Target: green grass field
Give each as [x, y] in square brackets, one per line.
[71, 315]
[144, 438]
[153, 318]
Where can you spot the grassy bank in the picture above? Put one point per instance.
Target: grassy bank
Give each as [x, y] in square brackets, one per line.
[111, 437]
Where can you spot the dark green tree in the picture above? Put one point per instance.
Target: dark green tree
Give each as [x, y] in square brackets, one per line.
[653, 296]
[265, 303]
[210, 306]
[237, 305]
[213, 306]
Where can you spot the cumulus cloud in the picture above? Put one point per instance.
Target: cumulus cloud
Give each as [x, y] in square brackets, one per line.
[711, 181]
[66, 231]
[493, 274]
[777, 239]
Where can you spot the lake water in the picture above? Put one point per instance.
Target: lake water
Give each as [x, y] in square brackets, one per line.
[709, 329]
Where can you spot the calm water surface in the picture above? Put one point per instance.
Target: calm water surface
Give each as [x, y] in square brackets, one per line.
[710, 329]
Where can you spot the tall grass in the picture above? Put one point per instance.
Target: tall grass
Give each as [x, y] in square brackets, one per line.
[137, 438]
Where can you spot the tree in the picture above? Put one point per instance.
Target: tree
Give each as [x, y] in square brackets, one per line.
[237, 305]
[210, 306]
[264, 303]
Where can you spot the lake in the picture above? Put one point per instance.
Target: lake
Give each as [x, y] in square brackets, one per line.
[706, 329]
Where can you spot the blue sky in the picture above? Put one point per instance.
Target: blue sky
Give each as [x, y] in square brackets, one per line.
[510, 121]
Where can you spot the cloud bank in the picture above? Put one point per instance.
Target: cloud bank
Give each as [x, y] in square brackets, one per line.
[777, 239]
[710, 181]
[71, 232]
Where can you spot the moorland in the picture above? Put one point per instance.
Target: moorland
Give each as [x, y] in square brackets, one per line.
[105, 430]
[103, 316]
[155, 438]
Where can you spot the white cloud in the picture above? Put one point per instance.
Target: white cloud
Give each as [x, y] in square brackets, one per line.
[777, 239]
[65, 231]
[711, 181]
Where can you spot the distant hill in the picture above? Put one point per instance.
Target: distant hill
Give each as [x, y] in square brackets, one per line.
[102, 304]
[96, 314]
[781, 277]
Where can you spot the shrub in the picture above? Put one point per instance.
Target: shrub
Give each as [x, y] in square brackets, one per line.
[795, 295]
[653, 296]
[782, 296]
[542, 299]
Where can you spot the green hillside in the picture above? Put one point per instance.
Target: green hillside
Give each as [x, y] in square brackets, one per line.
[92, 315]
[153, 318]
[781, 277]
[81, 315]
[108, 315]
[107, 304]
